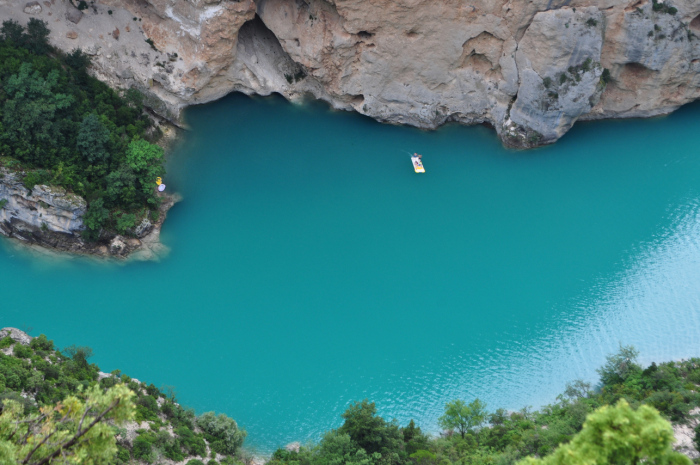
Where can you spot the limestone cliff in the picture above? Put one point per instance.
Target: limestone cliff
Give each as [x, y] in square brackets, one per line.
[530, 68]
[44, 213]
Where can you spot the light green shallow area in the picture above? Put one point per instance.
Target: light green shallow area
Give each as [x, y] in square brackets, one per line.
[310, 266]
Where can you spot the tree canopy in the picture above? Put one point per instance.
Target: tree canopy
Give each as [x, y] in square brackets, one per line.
[463, 417]
[618, 435]
[74, 431]
[59, 126]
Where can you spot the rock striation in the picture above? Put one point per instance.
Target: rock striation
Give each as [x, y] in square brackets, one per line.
[46, 215]
[529, 68]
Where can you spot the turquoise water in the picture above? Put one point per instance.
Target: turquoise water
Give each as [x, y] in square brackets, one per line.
[310, 266]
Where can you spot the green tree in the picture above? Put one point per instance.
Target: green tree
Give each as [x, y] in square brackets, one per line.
[75, 431]
[125, 221]
[79, 354]
[338, 448]
[93, 140]
[223, 432]
[619, 366]
[12, 31]
[414, 438]
[370, 431]
[120, 187]
[618, 435]
[94, 219]
[463, 417]
[146, 161]
[37, 37]
[78, 60]
[30, 111]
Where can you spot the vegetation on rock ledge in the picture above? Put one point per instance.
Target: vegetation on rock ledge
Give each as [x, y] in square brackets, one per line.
[62, 127]
[48, 397]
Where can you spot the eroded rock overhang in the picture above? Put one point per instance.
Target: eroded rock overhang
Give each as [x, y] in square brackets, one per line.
[529, 68]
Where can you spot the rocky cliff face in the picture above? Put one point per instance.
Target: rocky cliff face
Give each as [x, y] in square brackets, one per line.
[530, 68]
[43, 215]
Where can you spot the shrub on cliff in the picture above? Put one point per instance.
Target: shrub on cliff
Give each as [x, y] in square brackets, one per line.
[222, 432]
[94, 218]
[370, 431]
[36, 376]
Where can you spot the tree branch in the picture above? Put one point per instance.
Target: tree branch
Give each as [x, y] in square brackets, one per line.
[78, 435]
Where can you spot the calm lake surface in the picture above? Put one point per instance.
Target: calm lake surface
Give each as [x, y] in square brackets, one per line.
[310, 266]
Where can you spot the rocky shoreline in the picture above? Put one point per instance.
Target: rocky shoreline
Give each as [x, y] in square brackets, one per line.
[51, 218]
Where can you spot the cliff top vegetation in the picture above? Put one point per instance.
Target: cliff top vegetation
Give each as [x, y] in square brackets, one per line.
[62, 127]
[38, 382]
[624, 420]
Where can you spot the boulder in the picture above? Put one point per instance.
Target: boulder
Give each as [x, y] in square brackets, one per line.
[133, 243]
[32, 8]
[72, 35]
[293, 446]
[115, 34]
[73, 14]
[143, 228]
[16, 335]
[117, 246]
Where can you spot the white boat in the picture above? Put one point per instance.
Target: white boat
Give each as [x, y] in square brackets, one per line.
[417, 163]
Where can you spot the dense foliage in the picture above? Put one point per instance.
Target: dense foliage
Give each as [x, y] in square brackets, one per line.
[35, 377]
[75, 431]
[472, 435]
[62, 127]
[622, 421]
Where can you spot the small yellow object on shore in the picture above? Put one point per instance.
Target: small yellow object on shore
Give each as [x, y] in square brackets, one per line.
[417, 163]
[159, 181]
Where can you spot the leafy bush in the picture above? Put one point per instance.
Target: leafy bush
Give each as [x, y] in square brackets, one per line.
[22, 351]
[192, 443]
[143, 448]
[41, 343]
[223, 432]
[146, 409]
[125, 221]
[94, 218]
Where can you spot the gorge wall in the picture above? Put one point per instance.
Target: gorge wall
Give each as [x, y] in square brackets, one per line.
[530, 69]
